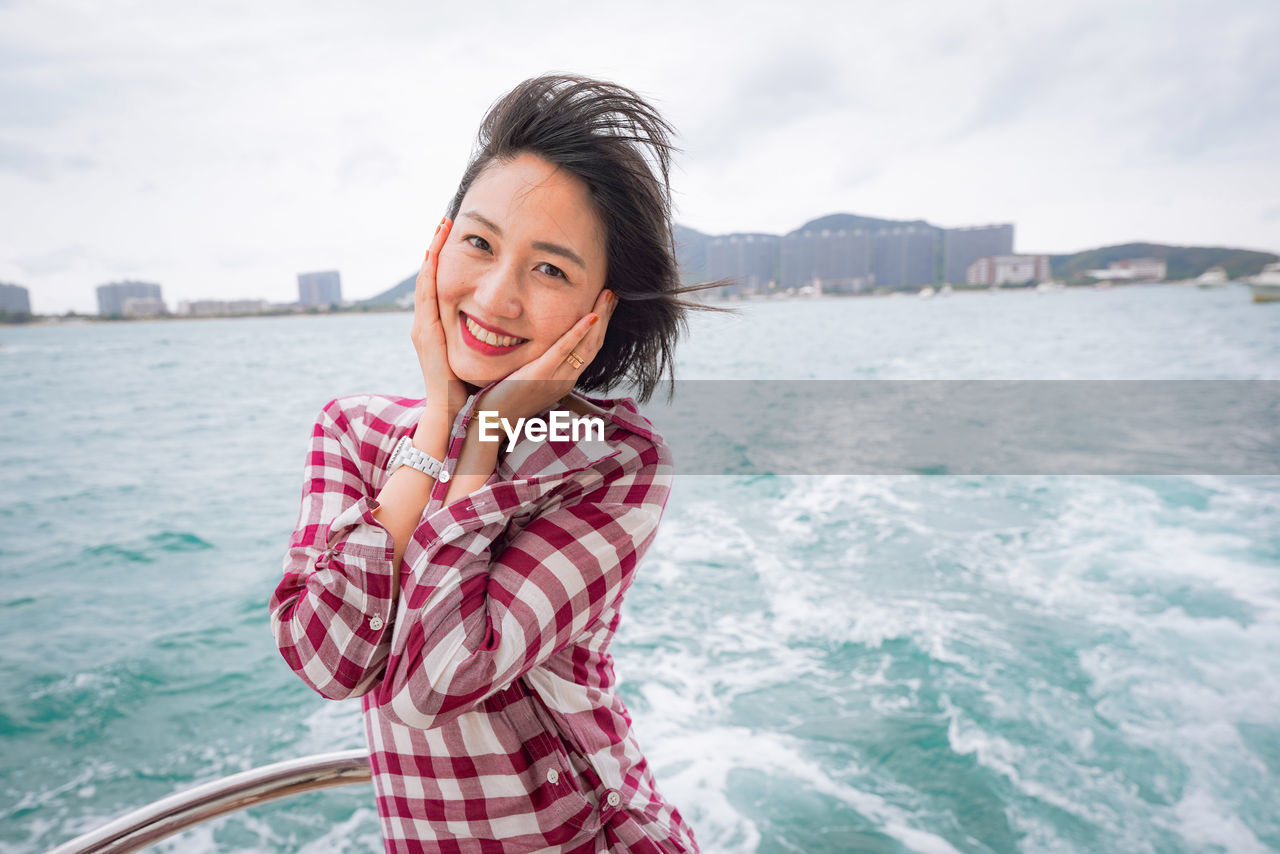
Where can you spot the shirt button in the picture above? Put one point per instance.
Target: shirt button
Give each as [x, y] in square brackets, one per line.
[613, 799]
[375, 622]
[553, 776]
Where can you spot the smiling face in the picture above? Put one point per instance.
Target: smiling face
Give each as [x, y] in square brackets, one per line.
[524, 261]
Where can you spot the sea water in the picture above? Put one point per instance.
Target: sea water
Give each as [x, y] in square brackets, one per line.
[832, 663]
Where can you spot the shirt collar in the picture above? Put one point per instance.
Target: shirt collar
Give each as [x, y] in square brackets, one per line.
[624, 412]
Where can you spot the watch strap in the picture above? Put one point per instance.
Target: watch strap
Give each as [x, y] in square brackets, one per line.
[405, 454]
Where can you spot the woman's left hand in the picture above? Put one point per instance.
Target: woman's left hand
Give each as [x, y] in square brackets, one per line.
[534, 387]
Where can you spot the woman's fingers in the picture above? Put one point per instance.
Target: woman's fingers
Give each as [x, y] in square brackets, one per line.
[593, 340]
[425, 287]
[586, 337]
[428, 333]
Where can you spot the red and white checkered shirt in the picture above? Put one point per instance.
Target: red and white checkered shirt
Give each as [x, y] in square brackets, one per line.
[488, 697]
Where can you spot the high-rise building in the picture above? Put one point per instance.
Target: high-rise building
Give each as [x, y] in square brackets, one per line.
[111, 297]
[750, 259]
[837, 259]
[15, 301]
[963, 246]
[324, 288]
[904, 256]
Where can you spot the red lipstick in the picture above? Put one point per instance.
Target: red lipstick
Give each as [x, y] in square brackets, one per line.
[483, 346]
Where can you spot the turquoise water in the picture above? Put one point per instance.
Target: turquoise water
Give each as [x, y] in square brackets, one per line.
[818, 664]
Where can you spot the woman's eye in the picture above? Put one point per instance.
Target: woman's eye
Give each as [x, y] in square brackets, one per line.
[471, 237]
[555, 271]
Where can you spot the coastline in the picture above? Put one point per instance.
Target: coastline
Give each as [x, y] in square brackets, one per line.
[789, 294]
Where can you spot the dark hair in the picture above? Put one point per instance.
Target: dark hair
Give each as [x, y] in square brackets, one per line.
[599, 131]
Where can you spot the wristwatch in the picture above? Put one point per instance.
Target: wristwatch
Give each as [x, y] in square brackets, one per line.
[405, 454]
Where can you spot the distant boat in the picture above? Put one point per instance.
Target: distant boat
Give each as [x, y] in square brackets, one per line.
[944, 291]
[926, 292]
[1212, 278]
[1049, 287]
[1266, 285]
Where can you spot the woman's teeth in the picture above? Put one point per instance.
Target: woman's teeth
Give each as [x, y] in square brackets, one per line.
[488, 337]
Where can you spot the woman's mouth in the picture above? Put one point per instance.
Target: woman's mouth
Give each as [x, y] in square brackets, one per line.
[483, 341]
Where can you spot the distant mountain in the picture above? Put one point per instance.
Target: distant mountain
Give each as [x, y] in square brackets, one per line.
[691, 253]
[392, 295]
[1183, 262]
[849, 222]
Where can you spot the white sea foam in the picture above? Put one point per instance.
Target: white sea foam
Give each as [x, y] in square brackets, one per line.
[36, 797]
[334, 725]
[344, 835]
[1205, 820]
[199, 840]
[1006, 758]
[723, 750]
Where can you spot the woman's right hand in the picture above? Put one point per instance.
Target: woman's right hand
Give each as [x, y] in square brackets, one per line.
[428, 334]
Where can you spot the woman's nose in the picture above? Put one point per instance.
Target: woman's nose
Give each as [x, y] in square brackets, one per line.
[498, 292]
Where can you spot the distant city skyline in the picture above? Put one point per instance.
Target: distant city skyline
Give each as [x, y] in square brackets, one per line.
[846, 254]
[879, 254]
[220, 153]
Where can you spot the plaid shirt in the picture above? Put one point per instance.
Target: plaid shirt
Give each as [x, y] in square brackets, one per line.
[488, 697]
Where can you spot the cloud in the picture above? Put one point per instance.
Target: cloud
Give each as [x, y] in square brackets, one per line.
[1227, 101]
[37, 165]
[765, 99]
[369, 165]
[58, 260]
[229, 146]
[76, 258]
[1032, 69]
[1177, 82]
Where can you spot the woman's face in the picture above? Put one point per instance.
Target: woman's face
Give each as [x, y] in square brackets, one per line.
[525, 260]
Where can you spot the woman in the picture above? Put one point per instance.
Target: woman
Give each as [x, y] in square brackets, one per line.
[469, 596]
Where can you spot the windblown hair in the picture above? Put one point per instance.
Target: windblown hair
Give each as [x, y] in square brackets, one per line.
[601, 132]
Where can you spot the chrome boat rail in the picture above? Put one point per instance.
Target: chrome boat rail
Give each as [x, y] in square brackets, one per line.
[181, 810]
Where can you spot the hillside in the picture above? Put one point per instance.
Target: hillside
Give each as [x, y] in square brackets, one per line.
[691, 253]
[837, 221]
[1184, 262]
[392, 294]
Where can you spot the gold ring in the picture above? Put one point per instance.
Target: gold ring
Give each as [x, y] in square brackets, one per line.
[575, 360]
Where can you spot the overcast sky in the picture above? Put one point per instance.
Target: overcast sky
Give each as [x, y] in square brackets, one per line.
[221, 148]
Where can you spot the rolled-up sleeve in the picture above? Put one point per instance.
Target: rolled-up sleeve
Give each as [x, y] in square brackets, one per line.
[475, 617]
[330, 613]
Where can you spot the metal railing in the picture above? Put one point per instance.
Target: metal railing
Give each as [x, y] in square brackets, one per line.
[179, 811]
